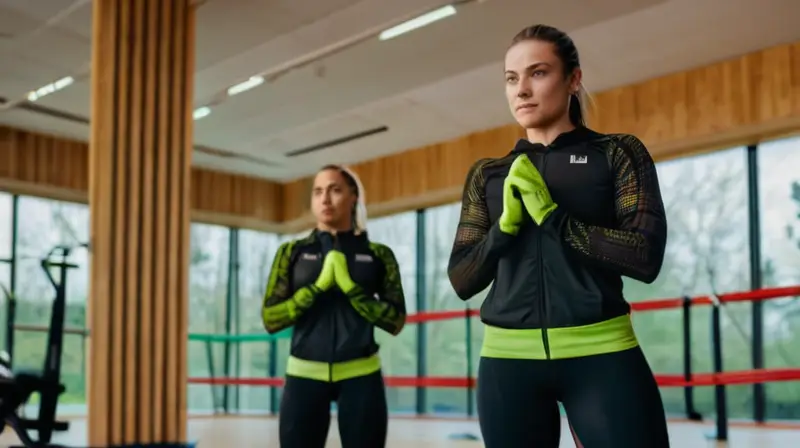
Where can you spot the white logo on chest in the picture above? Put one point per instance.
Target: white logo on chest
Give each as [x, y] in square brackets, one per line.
[578, 159]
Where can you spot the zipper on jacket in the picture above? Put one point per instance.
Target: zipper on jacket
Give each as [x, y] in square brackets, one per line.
[333, 346]
[332, 323]
[544, 296]
[330, 364]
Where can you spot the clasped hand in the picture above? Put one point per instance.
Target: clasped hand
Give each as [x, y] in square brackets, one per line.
[335, 273]
[524, 186]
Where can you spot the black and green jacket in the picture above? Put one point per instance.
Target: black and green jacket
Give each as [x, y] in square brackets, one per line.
[330, 326]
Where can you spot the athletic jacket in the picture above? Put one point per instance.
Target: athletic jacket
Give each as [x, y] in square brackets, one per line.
[610, 222]
[329, 326]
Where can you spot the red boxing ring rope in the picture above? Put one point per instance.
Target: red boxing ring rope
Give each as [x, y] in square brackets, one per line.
[644, 305]
[664, 380]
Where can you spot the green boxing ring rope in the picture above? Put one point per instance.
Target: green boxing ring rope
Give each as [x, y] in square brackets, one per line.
[238, 338]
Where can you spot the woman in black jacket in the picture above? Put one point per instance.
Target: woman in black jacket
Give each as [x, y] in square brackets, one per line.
[554, 226]
[334, 286]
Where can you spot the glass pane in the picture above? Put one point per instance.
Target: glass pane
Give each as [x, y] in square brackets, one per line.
[5, 225]
[399, 353]
[446, 351]
[256, 253]
[5, 291]
[707, 251]
[42, 225]
[779, 188]
[208, 291]
[6, 221]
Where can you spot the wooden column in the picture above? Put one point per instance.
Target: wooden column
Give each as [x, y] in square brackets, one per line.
[140, 157]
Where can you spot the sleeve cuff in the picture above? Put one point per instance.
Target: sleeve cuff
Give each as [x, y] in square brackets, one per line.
[355, 293]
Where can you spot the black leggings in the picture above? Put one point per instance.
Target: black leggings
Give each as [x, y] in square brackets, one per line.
[305, 413]
[612, 401]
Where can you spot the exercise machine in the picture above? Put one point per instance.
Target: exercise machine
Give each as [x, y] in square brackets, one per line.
[16, 391]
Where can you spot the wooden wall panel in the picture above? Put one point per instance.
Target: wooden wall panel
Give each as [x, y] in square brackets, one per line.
[740, 101]
[58, 168]
[43, 166]
[735, 102]
[237, 201]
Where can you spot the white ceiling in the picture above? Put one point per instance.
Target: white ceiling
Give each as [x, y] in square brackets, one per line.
[331, 77]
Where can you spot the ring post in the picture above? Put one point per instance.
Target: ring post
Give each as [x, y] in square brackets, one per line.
[688, 391]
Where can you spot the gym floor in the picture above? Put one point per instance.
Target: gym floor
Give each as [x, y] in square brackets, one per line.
[260, 432]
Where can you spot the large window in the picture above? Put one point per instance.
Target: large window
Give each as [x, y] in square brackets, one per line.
[779, 187]
[447, 349]
[42, 226]
[208, 309]
[707, 251]
[398, 353]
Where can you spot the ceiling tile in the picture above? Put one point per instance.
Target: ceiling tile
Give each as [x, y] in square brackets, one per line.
[222, 27]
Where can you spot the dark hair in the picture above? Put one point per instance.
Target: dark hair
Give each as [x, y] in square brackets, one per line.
[567, 52]
[352, 184]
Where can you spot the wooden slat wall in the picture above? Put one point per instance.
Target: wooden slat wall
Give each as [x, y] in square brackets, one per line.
[42, 165]
[740, 101]
[140, 168]
[58, 168]
[735, 102]
[237, 201]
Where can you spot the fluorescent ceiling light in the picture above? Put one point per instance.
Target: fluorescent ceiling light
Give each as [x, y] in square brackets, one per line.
[50, 88]
[418, 22]
[201, 112]
[254, 81]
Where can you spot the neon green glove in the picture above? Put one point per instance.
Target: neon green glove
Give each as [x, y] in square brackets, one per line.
[327, 278]
[341, 274]
[511, 218]
[526, 179]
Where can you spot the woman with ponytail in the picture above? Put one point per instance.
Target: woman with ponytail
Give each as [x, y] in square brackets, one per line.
[554, 226]
[334, 287]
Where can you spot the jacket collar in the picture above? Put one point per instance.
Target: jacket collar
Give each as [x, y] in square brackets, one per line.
[341, 237]
[578, 135]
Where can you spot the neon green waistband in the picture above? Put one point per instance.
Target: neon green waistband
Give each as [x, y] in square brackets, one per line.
[332, 372]
[613, 335]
